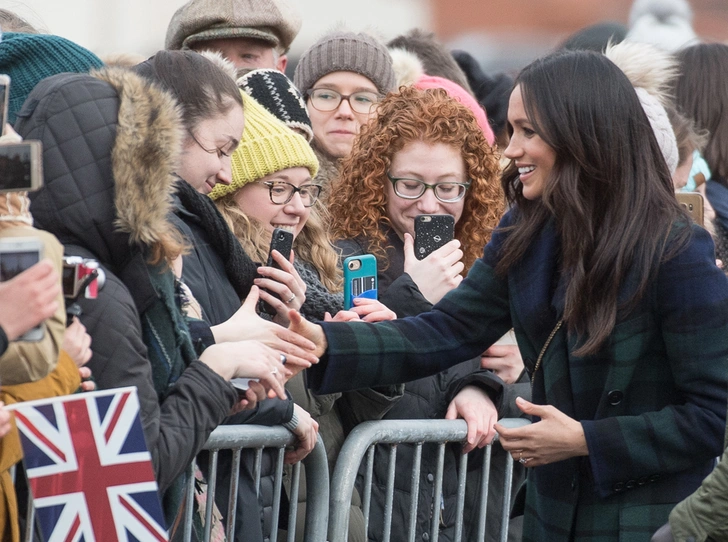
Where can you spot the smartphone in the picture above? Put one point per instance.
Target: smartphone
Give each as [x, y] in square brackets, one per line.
[4, 100]
[693, 203]
[360, 278]
[16, 255]
[282, 241]
[432, 232]
[241, 385]
[21, 166]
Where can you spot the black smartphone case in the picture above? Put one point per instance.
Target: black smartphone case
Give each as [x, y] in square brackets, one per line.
[282, 241]
[432, 232]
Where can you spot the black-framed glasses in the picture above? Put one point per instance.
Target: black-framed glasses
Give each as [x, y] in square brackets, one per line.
[325, 100]
[226, 150]
[282, 192]
[446, 192]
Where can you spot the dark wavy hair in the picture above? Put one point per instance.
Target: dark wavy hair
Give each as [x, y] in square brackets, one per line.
[609, 192]
[358, 197]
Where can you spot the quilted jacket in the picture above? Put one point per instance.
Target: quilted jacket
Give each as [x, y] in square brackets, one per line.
[110, 142]
[652, 401]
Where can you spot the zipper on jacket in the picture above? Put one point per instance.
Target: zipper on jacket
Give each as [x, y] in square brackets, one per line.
[543, 351]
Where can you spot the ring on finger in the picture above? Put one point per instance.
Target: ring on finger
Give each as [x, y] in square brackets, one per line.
[290, 300]
[523, 461]
[284, 359]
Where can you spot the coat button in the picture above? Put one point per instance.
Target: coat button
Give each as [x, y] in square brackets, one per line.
[618, 487]
[615, 397]
[430, 477]
[631, 484]
[425, 536]
[642, 481]
[654, 478]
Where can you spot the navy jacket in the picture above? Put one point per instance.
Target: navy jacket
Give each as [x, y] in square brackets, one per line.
[652, 401]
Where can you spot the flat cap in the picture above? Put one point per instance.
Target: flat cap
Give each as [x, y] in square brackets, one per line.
[272, 21]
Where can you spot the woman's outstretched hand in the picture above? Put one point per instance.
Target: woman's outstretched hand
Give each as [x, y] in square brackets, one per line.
[312, 332]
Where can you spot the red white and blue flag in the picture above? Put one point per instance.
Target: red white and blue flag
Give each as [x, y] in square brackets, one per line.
[89, 469]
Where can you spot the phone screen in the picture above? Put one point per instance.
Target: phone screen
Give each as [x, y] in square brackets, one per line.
[14, 263]
[15, 167]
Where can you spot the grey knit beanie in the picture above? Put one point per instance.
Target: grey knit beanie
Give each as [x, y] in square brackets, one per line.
[346, 51]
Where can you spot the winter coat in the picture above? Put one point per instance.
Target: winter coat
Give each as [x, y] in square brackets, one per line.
[110, 142]
[652, 401]
[427, 398]
[28, 361]
[217, 287]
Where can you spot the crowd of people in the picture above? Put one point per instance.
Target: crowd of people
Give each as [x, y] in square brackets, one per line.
[576, 291]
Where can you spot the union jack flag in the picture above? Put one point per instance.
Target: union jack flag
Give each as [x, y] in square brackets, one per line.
[89, 469]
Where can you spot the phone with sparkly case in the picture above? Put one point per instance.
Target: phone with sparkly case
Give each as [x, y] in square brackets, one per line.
[360, 278]
[432, 232]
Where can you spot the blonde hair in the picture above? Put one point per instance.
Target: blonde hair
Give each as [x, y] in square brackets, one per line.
[312, 245]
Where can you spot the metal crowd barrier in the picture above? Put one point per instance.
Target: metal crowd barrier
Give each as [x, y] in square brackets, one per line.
[393, 432]
[237, 437]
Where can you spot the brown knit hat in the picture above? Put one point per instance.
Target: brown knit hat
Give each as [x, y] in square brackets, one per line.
[272, 21]
[346, 51]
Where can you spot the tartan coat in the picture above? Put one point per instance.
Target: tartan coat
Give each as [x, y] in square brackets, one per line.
[651, 401]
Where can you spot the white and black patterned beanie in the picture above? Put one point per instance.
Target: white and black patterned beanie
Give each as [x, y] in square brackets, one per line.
[276, 92]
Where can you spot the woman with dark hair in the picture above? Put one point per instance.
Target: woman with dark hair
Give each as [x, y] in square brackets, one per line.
[702, 95]
[421, 137]
[618, 307]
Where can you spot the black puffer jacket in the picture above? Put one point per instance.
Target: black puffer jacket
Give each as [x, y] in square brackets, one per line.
[428, 398]
[218, 272]
[110, 142]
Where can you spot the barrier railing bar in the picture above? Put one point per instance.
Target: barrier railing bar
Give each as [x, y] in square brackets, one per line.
[415, 491]
[460, 506]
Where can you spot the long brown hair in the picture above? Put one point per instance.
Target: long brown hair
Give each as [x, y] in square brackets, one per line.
[701, 93]
[358, 197]
[609, 192]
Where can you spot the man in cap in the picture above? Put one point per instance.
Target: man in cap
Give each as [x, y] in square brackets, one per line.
[249, 33]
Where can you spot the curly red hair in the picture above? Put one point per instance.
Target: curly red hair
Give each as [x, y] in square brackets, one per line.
[358, 198]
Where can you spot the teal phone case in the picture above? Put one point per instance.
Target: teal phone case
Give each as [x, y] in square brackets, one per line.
[360, 278]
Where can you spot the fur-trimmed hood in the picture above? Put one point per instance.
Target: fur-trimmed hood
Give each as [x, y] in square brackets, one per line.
[111, 142]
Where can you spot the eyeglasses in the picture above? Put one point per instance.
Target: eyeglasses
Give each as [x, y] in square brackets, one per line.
[226, 150]
[414, 188]
[282, 192]
[325, 99]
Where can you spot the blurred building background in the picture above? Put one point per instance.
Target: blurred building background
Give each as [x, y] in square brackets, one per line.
[503, 34]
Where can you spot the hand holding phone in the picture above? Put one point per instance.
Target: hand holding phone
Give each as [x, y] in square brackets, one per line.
[432, 232]
[282, 241]
[16, 255]
[438, 273]
[360, 278]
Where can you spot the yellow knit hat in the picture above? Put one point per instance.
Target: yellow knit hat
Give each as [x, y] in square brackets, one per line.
[266, 146]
